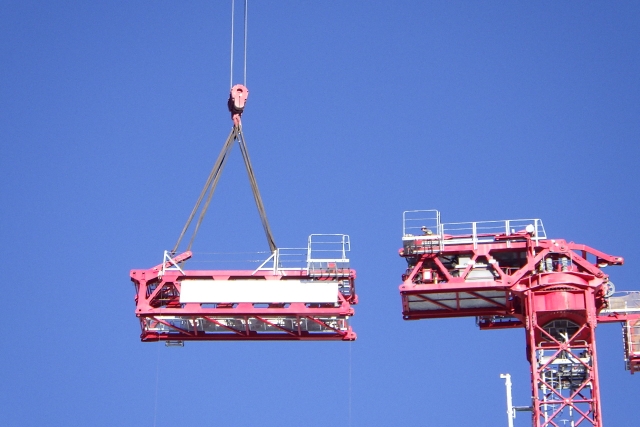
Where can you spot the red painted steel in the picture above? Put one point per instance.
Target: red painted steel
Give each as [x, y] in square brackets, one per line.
[630, 332]
[237, 100]
[513, 279]
[163, 317]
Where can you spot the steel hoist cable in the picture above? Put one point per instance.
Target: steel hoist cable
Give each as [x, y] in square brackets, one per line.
[209, 185]
[233, 7]
[254, 189]
[236, 103]
[212, 181]
[246, 5]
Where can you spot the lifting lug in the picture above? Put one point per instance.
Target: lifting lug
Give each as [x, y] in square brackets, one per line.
[237, 99]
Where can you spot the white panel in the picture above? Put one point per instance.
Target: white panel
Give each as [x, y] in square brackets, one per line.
[258, 291]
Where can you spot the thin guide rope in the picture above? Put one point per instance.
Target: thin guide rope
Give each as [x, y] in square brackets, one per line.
[350, 364]
[155, 405]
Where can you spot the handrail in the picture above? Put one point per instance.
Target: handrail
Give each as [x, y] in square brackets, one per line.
[450, 232]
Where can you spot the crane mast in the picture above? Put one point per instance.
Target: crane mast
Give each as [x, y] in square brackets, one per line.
[508, 274]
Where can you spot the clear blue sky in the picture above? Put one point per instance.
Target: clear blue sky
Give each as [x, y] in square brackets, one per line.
[112, 113]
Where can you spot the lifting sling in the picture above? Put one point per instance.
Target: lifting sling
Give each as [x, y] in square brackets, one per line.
[236, 103]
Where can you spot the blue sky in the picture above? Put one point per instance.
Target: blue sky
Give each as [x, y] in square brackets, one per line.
[112, 114]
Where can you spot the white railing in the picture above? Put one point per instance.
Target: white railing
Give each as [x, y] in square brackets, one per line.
[284, 259]
[327, 254]
[485, 231]
[425, 224]
[414, 221]
[324, 253]
[331, 247]
[227, 260]
[632, 334]
[623, 302]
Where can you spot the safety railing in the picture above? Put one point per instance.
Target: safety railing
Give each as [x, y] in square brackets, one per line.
[632, 333]
[416, 223]
[327, 255]
[625, 306]
[423, 228]
[485, 231]
[623, 302]
[631, 337]
[285, 259]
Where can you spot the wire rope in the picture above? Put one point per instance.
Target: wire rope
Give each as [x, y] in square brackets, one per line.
[233, 3]
[222, 160]
[246, 4]
[255, 190]
[155, 405]
[350, 382]
[212, 182]
[214, 176]
[246, 8]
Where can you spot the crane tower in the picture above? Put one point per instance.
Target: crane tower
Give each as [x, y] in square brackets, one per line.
[508, 274]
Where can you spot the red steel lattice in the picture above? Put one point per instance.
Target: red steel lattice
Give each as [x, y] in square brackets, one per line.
[164, 315]
[515, 277]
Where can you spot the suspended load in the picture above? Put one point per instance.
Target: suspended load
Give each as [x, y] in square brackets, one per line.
[275, 301]
[280, 299]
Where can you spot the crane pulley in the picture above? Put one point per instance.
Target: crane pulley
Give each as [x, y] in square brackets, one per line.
[236, 104]
[237, 100]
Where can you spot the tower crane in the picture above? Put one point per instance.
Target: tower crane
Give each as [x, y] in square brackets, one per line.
[508, 274]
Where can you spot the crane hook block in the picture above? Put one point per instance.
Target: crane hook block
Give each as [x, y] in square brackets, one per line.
[237, 100]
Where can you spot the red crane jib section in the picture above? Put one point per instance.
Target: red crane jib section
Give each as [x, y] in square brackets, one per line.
[493, 279]
[553, 289]
[164, 317]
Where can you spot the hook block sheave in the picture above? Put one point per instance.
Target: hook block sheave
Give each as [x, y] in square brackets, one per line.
[508, 274]
[237, 100]
[173, 304]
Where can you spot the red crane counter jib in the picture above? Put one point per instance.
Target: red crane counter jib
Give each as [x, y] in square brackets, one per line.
[311, 303]
[492, 278]
[476, 273]
[509, 274]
